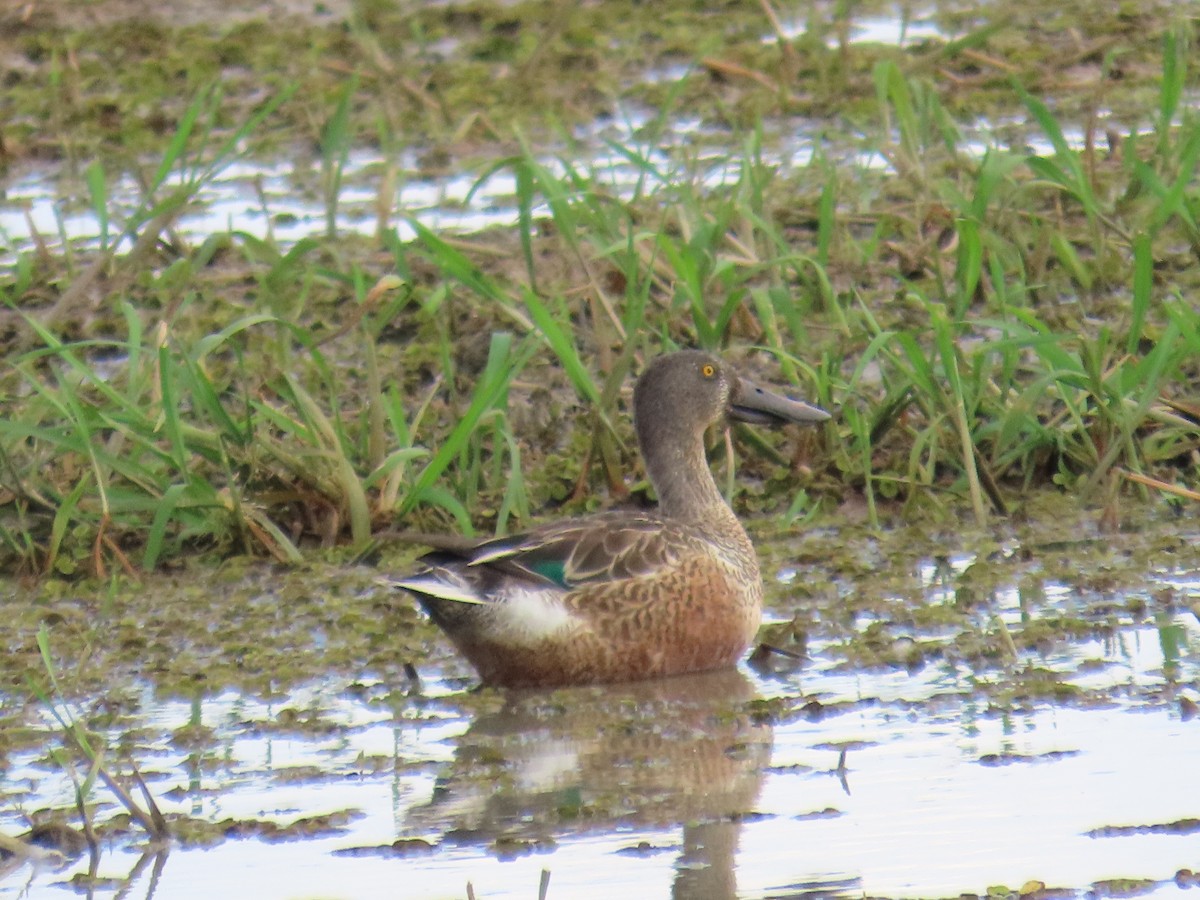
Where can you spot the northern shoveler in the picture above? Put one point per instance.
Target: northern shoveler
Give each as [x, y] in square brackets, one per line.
[623, 595]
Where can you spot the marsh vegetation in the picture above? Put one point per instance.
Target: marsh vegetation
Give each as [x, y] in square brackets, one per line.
[273, 289]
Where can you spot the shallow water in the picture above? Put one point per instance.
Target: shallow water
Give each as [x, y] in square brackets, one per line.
[275, 200]
[830, 779]
[282, 199]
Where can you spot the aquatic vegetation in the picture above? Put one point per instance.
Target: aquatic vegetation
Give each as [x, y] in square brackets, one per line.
[976, 242]
[971, 384]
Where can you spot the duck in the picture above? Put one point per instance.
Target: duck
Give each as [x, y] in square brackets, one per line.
[623, 595]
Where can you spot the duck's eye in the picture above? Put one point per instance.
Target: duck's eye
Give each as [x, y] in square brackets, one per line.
[708, 370]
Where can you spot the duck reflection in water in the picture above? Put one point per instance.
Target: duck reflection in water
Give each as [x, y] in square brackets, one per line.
[681, 752]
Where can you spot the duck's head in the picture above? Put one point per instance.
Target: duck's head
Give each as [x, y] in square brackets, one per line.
[691, 390]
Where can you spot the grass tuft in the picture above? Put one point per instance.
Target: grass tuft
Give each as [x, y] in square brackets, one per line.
[988, 321]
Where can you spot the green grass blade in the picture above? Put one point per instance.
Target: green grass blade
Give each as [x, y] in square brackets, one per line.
[1143, 280]
[562, 343]
[502, 365]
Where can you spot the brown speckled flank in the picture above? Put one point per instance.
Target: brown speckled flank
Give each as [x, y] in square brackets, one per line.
[619, 596]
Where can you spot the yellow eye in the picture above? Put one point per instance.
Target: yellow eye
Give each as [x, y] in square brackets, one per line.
[707, 370]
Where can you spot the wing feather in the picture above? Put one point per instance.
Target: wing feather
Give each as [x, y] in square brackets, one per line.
[599, 548]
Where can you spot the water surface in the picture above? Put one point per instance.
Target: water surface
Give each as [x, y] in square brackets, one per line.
[1070, 765]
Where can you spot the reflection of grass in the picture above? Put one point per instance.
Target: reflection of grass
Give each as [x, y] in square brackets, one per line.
[985, 325]
[79, 742]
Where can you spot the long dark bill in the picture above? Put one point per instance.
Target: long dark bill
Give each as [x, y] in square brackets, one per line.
[762, 407]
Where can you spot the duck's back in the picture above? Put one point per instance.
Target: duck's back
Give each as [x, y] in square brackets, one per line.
[614, 597]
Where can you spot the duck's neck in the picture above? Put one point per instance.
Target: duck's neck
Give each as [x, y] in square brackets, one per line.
[678, 469]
